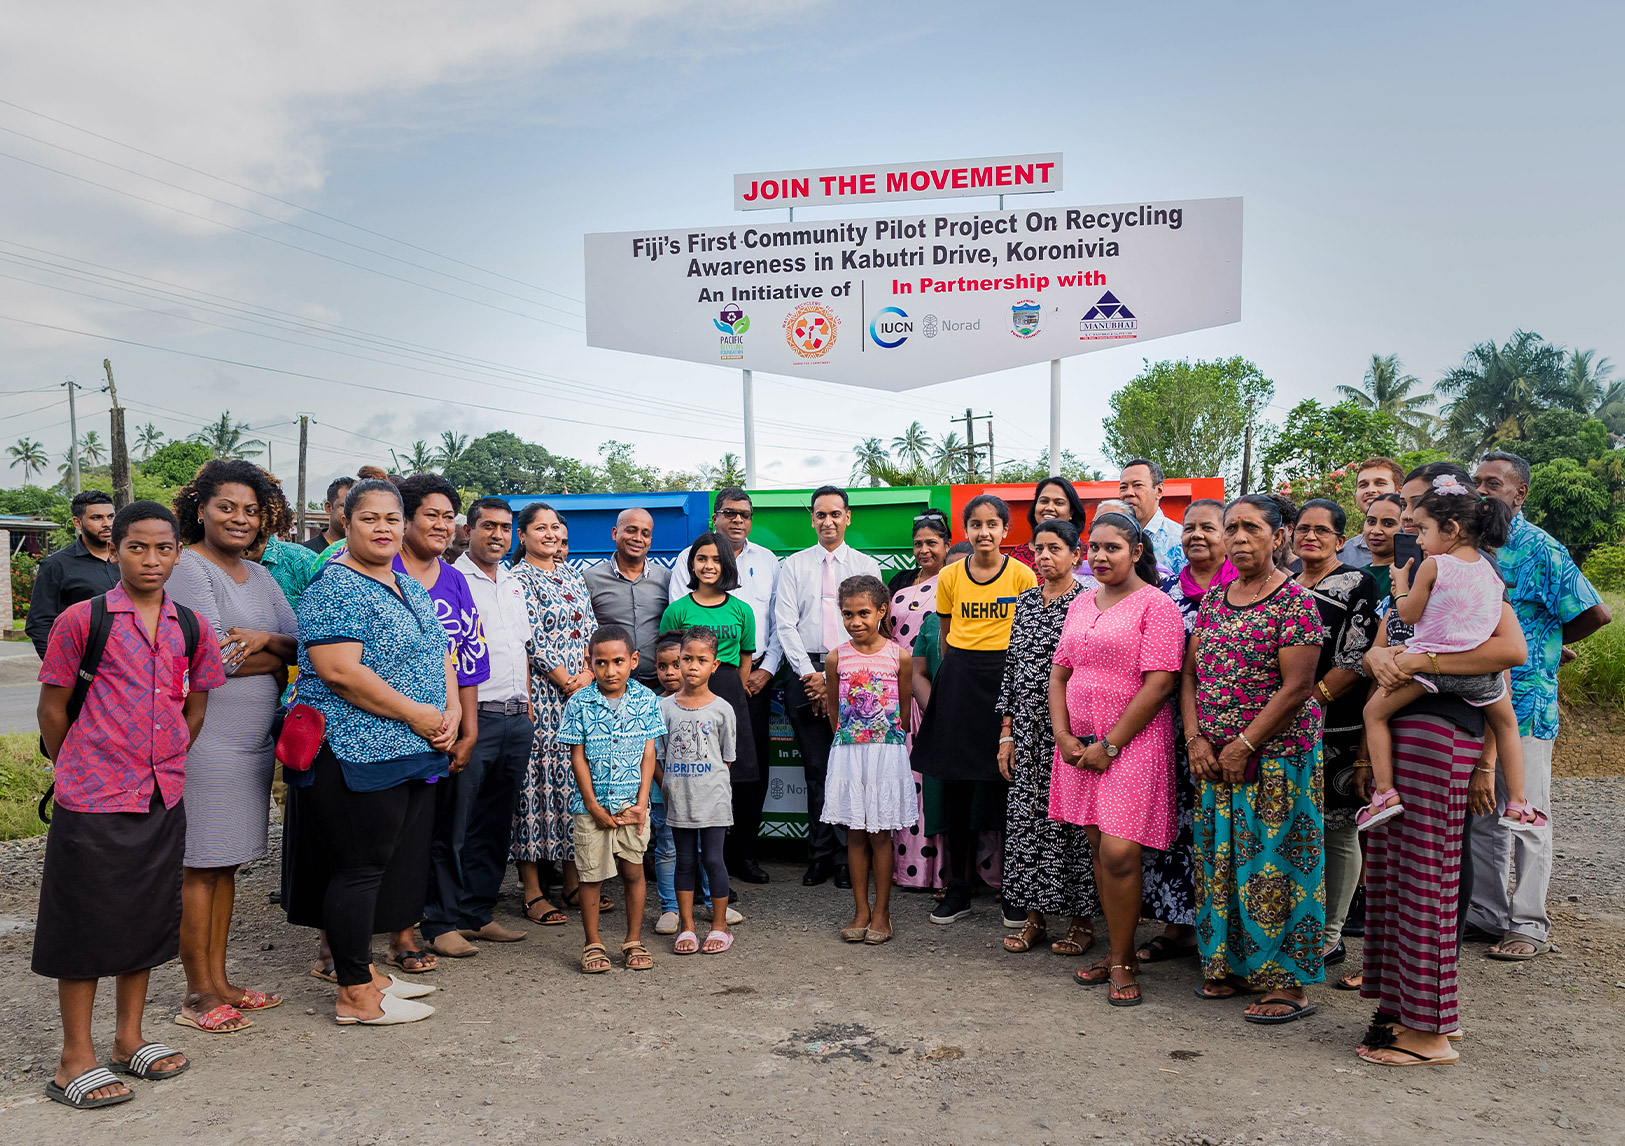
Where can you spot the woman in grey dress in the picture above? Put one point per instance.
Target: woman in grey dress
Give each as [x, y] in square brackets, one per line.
[228, 508]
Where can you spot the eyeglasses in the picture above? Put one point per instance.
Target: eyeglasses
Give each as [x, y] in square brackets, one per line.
[735, 514]
[1315, 531]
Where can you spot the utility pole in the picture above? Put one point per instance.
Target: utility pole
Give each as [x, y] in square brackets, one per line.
[1247, 451]
[123, 488]
[299, 515]
[970, 421]
[73, 433]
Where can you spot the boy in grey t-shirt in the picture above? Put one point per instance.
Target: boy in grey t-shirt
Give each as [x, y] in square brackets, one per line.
[697, 751]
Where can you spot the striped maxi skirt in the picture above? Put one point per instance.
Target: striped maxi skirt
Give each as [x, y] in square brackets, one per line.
[1413, 877]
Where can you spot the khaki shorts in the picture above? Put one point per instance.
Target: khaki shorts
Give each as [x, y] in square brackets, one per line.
[597, 848]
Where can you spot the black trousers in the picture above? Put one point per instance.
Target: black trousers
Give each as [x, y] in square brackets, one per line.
[744, 838]
[361, 832]
[814, 737]
[473, 827]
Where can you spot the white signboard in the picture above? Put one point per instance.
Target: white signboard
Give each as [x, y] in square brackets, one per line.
[895, 303]
[934, 179]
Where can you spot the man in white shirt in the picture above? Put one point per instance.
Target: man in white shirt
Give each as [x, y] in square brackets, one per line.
[758, 573]
[807, 623]
[474, 808]
[1141, 487]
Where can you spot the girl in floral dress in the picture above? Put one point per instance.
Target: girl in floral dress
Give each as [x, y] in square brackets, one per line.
[870, 787]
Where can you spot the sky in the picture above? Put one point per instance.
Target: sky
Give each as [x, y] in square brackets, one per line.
[373, 214]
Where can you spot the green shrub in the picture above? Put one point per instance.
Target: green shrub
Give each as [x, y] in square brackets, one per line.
[1605, 568]
[24, 776]
[23, 570]
[1597, 673]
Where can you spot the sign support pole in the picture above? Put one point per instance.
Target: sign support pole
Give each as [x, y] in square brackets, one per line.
[750, 431]
[1055, 416]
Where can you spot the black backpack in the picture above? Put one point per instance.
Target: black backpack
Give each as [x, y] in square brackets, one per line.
[101, 624]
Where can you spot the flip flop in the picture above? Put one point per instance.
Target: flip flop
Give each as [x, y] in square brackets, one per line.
[1235, 991]
[214, 1023]
[1114, 993]
[1341, 983]
[146, 1055]
[400, 958]
[726, 937]
[1298, 1011]
[93, 1079]
[1415, 1060]
[1162, 949]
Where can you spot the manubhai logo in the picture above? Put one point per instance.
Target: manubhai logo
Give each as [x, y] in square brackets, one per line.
[1108, 319]
[890, 327]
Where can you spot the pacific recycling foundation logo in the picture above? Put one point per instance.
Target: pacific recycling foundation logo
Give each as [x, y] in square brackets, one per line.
[733, 323]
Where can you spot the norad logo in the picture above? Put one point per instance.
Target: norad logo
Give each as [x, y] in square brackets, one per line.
[733, 323]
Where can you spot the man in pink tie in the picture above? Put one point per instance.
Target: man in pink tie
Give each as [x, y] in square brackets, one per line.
[807, 615]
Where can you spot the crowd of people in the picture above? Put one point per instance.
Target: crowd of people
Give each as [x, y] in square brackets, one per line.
[1264, 728]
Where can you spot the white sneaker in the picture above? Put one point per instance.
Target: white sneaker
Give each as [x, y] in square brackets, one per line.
[396, 1011]
[666, 924]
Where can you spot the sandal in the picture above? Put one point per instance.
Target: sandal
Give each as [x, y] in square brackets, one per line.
[552, 917]
[636, 956]
[1162, 949]
[1298, 1011]
[1093, 976]
[1379, 810]
[594, 959]
[327, 974]
[1379, 1037]
[258, 1001]
[214, 1022]
[1117, 995]
[146, 1056]
[1521, 816]
[686, 944]
[425, 960]
[726, 938]
[1538, 947]
[96, 1078]
[1238, 986]
[572, 899]
[1079, 938]
[1031, 933]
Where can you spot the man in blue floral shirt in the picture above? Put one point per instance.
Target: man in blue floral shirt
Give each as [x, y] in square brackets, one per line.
[1555, 605]
[1141, 487]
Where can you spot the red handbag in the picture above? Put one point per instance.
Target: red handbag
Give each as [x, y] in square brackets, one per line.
[301, 737]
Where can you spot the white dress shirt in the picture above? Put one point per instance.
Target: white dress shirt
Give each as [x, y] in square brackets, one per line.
[501, 605]
[798, 605]
[758, 575]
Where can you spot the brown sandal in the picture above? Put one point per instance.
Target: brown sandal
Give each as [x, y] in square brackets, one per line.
[1117, 995]
[594, 959]
[636, 956]
[1078, 939]
[1024, 940]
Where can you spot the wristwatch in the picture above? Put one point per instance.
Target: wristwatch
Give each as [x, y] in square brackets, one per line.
[1111, 749]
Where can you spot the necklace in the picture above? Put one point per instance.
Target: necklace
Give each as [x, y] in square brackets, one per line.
[1260, 591]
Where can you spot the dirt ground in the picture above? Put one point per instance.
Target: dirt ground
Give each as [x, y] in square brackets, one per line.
[795, 1037]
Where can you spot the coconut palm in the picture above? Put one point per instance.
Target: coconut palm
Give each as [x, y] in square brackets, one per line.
[30, 455]
[1585, 386]
[420, 459]
[726, 473]
[226, 439]
[913, 446]
[953, 458]
[868, 457]
[1497, 390]
[92, 452]
[147, 439]
[452, 446]
[1390, 392]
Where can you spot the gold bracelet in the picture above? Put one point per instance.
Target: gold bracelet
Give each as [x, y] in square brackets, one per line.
[1433, 659]
[1251, 747]
[1361, 764]
[1490, 769]
[1324, 691]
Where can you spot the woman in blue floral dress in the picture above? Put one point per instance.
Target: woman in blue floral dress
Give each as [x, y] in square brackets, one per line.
[561, 622]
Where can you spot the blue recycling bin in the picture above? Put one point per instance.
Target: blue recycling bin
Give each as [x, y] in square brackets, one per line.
[679, 518]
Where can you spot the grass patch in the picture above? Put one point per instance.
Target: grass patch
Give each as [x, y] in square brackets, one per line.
[1596, 676]
[24, 776]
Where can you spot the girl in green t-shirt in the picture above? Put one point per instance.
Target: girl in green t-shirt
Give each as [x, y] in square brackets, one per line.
[711, 574]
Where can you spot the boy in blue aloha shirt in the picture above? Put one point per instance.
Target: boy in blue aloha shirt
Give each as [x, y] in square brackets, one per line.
[611, 726]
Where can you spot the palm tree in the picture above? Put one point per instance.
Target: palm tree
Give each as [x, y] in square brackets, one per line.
[30, 455]
[913, 446]
[420, 459]
[1497, 390]
[952, 458]
[225, 439]
[147, 439]
[1389, 391]
[91, 450]
[1610, 409]
[867, 458]
[1585, 387]
[727, 472]
[452, 447]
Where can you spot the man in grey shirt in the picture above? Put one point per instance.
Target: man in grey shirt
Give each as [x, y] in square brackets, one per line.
[1373, 478]
[626, 590]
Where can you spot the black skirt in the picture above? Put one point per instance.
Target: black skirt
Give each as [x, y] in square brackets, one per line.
[959, 733]
[110, 898]
[725, 683]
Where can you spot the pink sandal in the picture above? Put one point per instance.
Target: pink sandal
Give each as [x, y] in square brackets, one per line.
[258, 1001]
[214, 1022]
[686, 944]
[725, 937]
[1522, 816]
[1379, 810]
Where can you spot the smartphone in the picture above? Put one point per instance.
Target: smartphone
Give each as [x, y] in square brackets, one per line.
[1407, 552]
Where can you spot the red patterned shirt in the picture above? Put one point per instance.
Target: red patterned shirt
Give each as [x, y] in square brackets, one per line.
[132, 729]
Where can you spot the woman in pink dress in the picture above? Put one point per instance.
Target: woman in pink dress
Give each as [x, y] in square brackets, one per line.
[1114, 731]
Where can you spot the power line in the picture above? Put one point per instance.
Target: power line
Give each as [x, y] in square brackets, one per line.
[278, 199]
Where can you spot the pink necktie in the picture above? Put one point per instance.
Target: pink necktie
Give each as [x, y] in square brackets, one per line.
[834, 631]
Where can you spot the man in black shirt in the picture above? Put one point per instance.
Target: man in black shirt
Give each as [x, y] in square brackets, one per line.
[335, 515]
[83, 570]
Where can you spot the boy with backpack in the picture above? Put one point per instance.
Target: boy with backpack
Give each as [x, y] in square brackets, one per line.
[123, 687]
